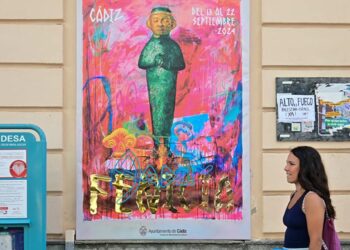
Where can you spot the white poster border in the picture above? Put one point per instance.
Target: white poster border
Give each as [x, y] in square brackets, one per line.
[202, 229]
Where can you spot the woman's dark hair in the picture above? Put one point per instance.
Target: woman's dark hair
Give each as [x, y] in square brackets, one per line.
[312, 175]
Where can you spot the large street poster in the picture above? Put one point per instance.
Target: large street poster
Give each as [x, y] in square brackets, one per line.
[162, 94]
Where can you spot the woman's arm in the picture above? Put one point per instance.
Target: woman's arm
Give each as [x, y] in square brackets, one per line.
[314, 212]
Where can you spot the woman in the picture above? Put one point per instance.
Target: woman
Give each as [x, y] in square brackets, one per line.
[305, 213]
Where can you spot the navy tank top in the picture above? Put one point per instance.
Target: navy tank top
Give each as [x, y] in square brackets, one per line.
[296, 235]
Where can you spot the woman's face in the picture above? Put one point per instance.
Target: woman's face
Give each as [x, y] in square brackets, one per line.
[292, 168]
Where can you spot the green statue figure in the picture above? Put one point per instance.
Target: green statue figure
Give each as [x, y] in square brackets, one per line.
[162, 59]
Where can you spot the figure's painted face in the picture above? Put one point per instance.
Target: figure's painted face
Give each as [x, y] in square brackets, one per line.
[292, 168]
[161, 23]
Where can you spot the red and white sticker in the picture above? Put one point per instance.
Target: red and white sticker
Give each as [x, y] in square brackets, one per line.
[18, 169]
[4, 210]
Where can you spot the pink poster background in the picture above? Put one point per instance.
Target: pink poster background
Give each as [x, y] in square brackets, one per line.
[208, 97]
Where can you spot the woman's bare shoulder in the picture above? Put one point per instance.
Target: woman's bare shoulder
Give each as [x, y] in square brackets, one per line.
[313, 201]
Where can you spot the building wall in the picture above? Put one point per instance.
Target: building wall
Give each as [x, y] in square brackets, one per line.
[300, 39]
[288, 38]
[37, 72]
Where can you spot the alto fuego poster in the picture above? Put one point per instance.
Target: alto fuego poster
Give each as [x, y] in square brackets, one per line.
[163, 131]
[313, 108]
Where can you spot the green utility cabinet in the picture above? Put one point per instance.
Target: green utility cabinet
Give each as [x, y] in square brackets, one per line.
[22, 187]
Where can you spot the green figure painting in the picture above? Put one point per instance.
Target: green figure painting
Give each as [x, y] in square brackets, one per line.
[162, 58]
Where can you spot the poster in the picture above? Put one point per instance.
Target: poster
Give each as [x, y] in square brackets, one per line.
[313, 108]
[333, 108]
[295, 108]
[163, 129]
[13, 199]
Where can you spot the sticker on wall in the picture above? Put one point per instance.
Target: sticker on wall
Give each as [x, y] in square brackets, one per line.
[320, 105]
[296, 126]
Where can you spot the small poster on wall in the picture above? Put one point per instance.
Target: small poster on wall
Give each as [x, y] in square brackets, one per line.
[313, 109]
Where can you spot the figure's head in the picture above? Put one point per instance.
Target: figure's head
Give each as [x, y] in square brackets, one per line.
[161, 21]
[311, 173]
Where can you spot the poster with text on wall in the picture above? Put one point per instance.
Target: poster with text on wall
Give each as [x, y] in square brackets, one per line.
[163, 131]
[314, 108]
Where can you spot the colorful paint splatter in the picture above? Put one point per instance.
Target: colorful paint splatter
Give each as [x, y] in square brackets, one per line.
[162, 133]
